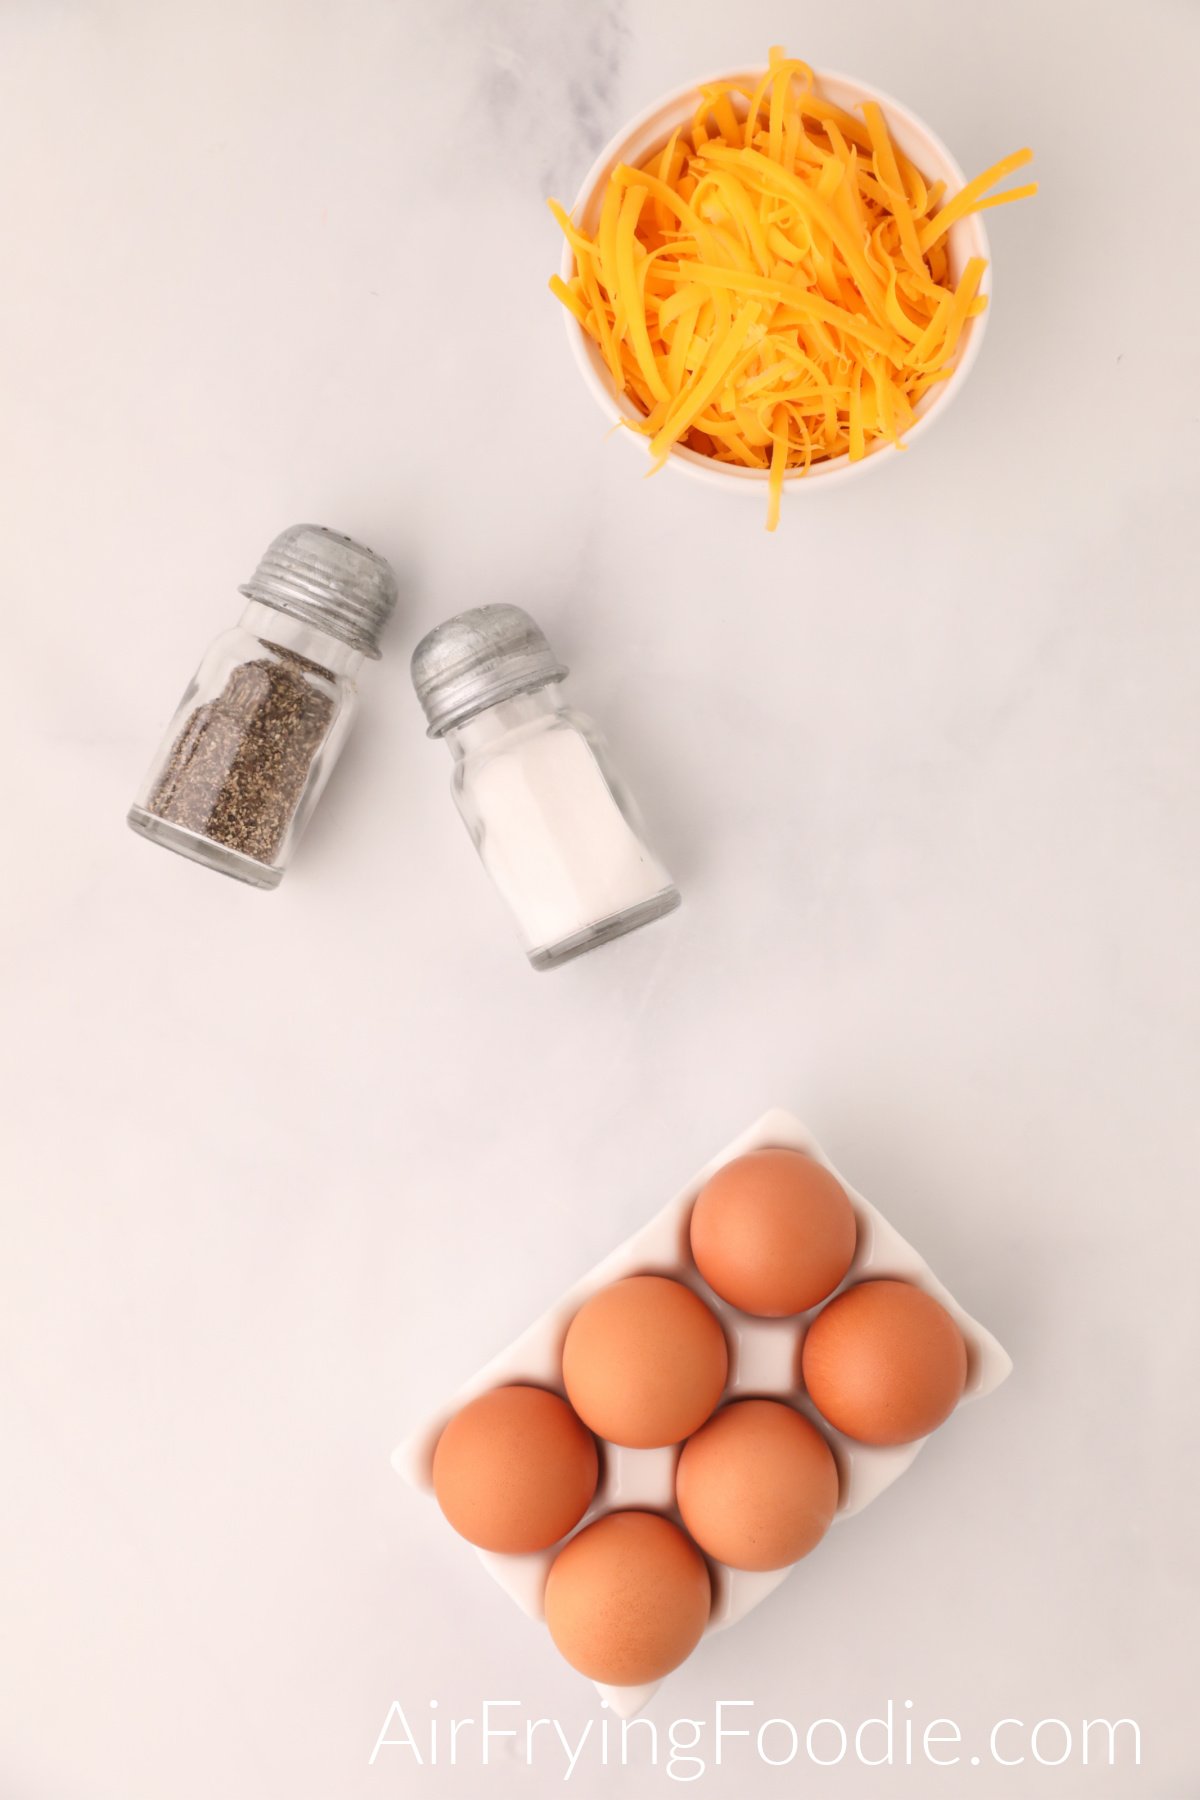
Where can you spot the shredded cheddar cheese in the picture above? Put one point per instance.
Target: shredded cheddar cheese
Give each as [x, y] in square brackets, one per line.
[772, 287]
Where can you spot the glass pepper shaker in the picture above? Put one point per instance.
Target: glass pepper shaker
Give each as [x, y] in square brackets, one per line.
[553, 823]
[263, 722]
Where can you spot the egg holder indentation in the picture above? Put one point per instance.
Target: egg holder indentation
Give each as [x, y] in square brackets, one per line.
[763, 1361]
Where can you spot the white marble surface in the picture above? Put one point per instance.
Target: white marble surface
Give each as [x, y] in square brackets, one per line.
[280, 1170]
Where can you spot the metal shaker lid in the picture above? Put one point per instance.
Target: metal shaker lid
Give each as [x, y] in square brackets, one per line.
[478, 658]
[327, 580]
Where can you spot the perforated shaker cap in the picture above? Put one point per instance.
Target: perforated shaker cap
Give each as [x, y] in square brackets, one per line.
[327, 580]
[478, 658]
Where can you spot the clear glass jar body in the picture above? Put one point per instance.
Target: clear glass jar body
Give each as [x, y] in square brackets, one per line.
[555, 827]
[251, 746]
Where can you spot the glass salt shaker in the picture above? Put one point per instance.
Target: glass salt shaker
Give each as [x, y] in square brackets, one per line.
[553, 824]
[263, 722]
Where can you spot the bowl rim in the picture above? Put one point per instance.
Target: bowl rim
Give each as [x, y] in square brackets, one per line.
[691, 462]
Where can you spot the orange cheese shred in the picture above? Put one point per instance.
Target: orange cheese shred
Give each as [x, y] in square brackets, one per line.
[772, 288]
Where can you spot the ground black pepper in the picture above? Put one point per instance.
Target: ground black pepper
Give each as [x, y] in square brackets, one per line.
[269, 708]
[238, 769]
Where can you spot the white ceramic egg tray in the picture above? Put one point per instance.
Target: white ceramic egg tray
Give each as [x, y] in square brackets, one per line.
[763, 1361]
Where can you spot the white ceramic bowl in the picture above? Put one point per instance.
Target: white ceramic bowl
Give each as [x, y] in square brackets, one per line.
[648, 132]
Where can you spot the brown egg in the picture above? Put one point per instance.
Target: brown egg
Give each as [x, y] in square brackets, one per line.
[515, 1470]
[644, 1362]
[757, 1486]
[628, 1599]
[773, 1233]
[884, 1362]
